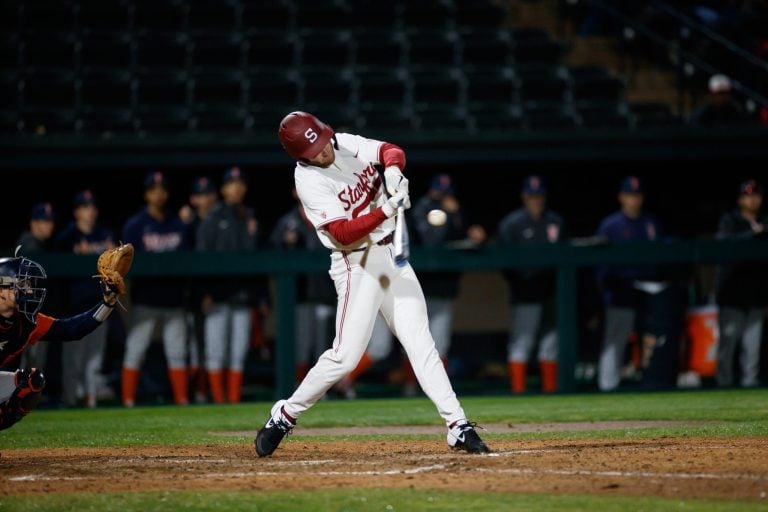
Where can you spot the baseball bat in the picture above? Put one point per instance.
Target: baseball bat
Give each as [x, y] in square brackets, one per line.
[402, 249]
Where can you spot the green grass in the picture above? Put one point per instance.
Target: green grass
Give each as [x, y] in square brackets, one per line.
[734, 413]
[362, 500]
[727, 413]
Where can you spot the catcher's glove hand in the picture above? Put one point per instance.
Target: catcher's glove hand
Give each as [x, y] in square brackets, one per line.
[113, 265]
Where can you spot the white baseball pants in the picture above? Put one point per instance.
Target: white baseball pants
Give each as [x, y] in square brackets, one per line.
[227, 337]
[368, 282]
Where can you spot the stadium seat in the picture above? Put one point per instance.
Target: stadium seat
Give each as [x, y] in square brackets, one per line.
[439, 119]
[426, 14]
[220, 119]
[162, 120]
[549, 116]
[48, 16]
[10, 52]
[486, 49]
[161, 52]
[382, 88]
[373, 14]
[593, 83]
[479, 14]
[537, 52]
[431, 88]
[219, 16]
[602, 116]
[158, 16]
[106, 122]
[495, 117]
[49, 89]
[222, 51]
[272, 88]
[259, 15]
[653, 114]
[218, 90]
[167, 89]
[101, 17]
[428, 48]
[542, 83]
[379, 120]
[10, 123]
[106, 89]
[325, 49]
[491, 86]
[51, 51]
[266, 119]
[45, 121]
[341, 117]
[328, 87]
[271, 50]
[101, 50]
[378, 49]
[322, 14]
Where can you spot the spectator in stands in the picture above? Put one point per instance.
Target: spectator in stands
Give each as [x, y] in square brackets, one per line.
[436, 220]
[741, 291]
[81, 360]
[623, 286]
[39, 236]
[202, 199]
[230, 227]
[721, 109]
[316, 300]
[156, 229]
[532, 290]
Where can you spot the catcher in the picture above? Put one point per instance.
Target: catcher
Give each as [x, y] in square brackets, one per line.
[22, 293]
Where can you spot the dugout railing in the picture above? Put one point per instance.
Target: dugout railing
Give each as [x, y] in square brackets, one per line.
[285, 266]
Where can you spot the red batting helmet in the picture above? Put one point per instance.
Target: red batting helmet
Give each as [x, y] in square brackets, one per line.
[303, 136]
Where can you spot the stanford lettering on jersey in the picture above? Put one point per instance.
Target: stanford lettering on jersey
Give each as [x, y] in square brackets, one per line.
[161, 242]
[368, 183]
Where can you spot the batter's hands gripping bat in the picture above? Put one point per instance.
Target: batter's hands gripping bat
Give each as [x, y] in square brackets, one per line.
[402, 244]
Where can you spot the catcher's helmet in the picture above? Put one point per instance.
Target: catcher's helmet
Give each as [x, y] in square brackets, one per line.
[26, 278]
[303, 136]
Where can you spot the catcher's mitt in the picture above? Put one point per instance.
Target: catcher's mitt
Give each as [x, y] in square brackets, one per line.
[113, 265]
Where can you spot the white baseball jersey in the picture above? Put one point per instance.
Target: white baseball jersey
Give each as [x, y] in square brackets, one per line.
[346, 189]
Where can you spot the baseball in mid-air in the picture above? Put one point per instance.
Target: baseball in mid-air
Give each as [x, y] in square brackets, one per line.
[437, 217]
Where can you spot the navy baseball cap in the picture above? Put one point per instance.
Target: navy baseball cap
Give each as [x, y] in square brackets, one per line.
[155, 178]
[232, 174]
[203, 185]
[442, 183]
[84, 197]
[750, 187]
[631, 185]
[42, 211]
[534, 186]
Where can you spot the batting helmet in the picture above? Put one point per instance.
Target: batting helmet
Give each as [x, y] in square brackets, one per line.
[303, 136]
[25, 277]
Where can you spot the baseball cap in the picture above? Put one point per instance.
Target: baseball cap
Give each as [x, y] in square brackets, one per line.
[442, 183]
[155, 178]
[631, 185]
[719, 83]
[233, 173]
[42, 211]
[750, 187]
[533, 185]
[84, 197]
[203, 185]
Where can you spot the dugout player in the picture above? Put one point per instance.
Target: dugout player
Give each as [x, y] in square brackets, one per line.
[156, 229]
[22, 293]
[344, 198]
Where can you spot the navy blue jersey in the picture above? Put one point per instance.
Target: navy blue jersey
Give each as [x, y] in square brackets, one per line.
[148, 234]
[72, 239]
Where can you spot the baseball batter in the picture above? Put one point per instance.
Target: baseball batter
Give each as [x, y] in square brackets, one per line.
[343, 197]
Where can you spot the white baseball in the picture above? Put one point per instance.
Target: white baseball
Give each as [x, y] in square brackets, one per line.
[437, 217]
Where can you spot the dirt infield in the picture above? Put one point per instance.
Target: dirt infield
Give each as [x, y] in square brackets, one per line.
[667, 467]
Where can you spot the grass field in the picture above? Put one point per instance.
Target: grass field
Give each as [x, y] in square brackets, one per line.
[71, 436]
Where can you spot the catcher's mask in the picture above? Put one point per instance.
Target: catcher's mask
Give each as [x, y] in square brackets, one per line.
[26, 278]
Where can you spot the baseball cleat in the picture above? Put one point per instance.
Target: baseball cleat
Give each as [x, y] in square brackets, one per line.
[462, 436]
[274, 430]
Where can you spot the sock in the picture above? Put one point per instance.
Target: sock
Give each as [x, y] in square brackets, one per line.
[548, 371]
[234, 386]
[518, 373]
[216, 381]
[178, 377]
[130, 383]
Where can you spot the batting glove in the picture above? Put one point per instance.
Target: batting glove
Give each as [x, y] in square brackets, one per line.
[395, 180]
[400, 198]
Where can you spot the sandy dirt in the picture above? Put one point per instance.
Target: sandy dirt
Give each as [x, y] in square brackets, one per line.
[666, 467]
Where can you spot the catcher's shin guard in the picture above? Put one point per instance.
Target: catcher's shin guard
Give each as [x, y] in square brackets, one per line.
[26, 396]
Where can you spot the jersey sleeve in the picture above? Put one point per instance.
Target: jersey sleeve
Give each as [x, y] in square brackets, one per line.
[363, 148]
[321, 205]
